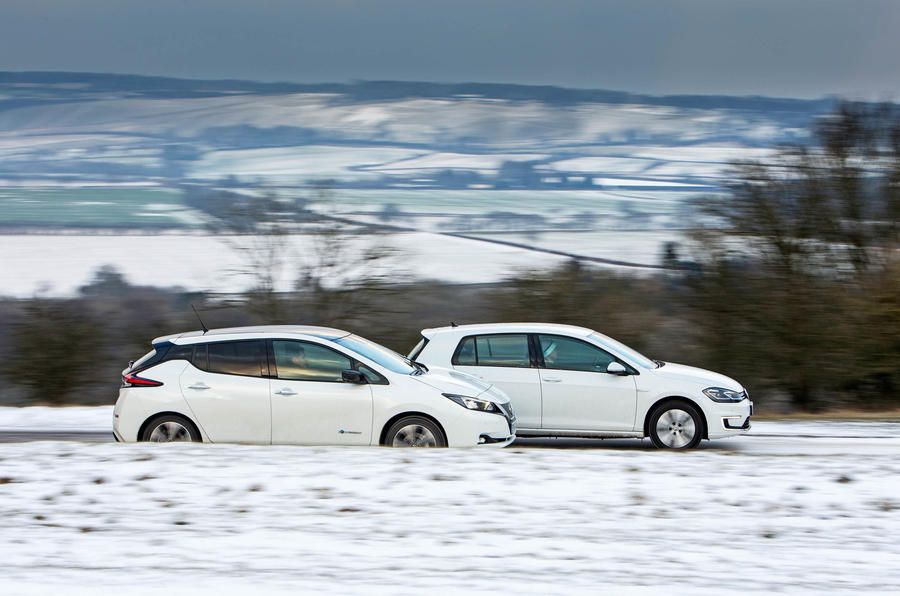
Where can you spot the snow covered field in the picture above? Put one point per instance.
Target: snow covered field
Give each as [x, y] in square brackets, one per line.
[59, 264]
[762, 513]
[43, 418]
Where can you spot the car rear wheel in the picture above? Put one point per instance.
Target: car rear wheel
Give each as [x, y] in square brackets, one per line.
[415, 431]
[676, 425]
[170, 428]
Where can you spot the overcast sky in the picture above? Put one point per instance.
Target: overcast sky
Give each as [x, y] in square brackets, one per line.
[800, 48]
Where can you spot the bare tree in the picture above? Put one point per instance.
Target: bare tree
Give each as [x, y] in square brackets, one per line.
[303, 265]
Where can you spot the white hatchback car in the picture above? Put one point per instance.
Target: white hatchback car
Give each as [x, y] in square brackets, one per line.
[575, 382]
[302, 385]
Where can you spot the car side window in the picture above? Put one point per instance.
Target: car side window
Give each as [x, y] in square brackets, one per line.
[306, 361]
[508, 350]
[566, 353]
[465, 353]
[244, 358]
[371, 376]
[200, 358]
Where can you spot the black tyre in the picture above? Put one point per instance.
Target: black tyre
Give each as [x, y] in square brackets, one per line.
[676, 425]
[415, 431]
[170, 428]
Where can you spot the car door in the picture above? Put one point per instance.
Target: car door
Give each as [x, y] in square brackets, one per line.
[578, 393]
[504, 360]
[311, 405]
[227, 390]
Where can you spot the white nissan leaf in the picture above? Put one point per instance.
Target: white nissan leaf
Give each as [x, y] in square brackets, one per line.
[302, 385]
[567, 381]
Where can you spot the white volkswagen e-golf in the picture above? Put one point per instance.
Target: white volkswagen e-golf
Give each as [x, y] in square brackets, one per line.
[573, 381]
[302, 385]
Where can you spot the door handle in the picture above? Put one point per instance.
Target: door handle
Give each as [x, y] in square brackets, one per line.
[551, 379]
[286, 391]
[198, 386]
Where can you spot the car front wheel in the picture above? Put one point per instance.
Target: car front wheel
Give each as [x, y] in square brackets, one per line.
[676, 425]
[415, 431]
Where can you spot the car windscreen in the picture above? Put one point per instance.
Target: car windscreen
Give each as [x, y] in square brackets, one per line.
[378, 354]
[629, 354]
[418, 349]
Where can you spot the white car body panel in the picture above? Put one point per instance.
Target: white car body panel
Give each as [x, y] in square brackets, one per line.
[261, 410]
[580, 400]
[581, 403]
[525, 383]
[316, 413]
[231, 408]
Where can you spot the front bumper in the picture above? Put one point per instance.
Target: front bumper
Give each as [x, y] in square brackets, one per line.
[479, 429]
[501, 439]
[728, 420]
[734, 423]
[486, 440]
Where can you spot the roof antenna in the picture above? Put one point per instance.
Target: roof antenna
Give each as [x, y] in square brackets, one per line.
[202, 324]
[453, 324]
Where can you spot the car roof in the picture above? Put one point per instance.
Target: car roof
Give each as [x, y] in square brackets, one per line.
[308, 330]
[510, 328]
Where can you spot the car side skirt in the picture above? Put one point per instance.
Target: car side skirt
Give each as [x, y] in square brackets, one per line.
[591, 434]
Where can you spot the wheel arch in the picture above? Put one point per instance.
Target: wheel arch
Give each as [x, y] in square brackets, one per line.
[674, 398]
[382, 436]
[156, 415]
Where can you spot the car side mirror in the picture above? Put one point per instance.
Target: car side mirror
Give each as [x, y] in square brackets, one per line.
[616, 368]
[353, 376]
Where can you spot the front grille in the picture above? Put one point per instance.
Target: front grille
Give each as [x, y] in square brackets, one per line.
[508, 414]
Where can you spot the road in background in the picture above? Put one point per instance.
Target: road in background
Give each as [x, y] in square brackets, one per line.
[794, 438]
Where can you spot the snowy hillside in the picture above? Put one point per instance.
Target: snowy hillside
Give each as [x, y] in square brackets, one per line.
[522, 176]
[104, 126]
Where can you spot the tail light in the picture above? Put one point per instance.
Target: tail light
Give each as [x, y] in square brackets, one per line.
[132, 380]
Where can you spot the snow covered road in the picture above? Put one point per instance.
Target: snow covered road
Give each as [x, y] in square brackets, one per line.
[759, 513]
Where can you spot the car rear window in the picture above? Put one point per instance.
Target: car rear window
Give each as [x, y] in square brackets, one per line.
[245, 358]
[508, 350]
[146, 359]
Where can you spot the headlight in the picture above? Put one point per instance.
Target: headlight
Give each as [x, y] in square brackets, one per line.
[722, 395]
[471, 403]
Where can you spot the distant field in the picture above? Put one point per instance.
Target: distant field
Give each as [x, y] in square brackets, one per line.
[154, 207]
[92, 207]
[595, 207]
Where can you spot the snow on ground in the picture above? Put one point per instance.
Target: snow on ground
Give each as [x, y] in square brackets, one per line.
[189, 519]
[298, 164]
[70, 418]
[99, 419]
[489, 162]
[643, 247]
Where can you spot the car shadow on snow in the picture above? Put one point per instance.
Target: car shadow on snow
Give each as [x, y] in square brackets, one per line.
[612, 444]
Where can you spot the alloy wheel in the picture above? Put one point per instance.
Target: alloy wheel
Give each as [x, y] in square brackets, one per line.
[676, 428]
[414, 435]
